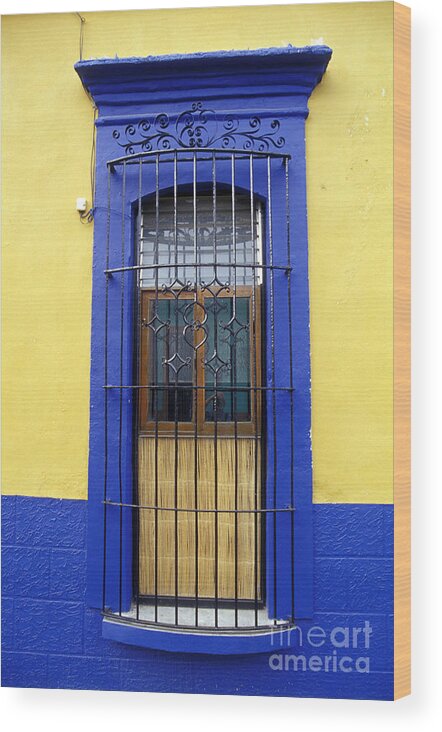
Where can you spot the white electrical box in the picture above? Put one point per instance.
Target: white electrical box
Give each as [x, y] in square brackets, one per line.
[81, 205]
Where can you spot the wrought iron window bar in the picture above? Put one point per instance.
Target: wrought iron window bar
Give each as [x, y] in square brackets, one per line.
[197, 612]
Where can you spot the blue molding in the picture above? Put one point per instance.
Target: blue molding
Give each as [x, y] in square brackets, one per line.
[273, 86]
[219, 644]
[144, 85]
[313, 59]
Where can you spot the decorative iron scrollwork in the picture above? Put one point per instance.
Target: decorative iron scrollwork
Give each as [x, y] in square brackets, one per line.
[216, 364]
[199, 128]
[177, 362]
[232, 329]
[195, 317]
[155, 324]
[177, 287]
[215, 287]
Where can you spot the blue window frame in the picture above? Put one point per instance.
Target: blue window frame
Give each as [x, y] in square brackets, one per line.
[254, 109]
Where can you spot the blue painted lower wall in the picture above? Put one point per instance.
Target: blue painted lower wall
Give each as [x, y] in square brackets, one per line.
[50, 638]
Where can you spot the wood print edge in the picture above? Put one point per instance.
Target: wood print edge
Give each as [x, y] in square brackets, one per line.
[401, 350]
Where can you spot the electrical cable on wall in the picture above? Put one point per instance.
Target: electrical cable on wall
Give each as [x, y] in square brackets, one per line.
[87, 217]
[82, 22]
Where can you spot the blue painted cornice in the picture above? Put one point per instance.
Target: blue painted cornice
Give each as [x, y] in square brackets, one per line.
[265, 73]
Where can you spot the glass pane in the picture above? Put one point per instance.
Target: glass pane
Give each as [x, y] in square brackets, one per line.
[177, 254]
[227, 359]
[170, 363]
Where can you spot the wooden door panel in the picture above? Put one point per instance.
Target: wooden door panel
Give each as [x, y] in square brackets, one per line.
[240, 531]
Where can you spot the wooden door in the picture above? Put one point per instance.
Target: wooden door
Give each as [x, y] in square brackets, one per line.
[199, 445]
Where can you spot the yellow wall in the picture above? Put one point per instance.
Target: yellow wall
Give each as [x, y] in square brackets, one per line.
[47, 251]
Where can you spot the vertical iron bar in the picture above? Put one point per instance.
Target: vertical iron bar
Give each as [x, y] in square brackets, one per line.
[136, 397]
[175, 238]
[215, 394]
[120, 432]
[272, 341]
[156, 258]
[195, 391]
[255, 383]
[234, 400]
[292, 426]
[106, 431]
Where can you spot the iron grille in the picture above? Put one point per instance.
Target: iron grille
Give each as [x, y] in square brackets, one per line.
[200, 305]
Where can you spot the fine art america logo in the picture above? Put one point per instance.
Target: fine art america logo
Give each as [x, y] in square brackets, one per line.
[336, 650]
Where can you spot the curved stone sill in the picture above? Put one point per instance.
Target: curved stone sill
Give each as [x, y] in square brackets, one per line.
[177, 641]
